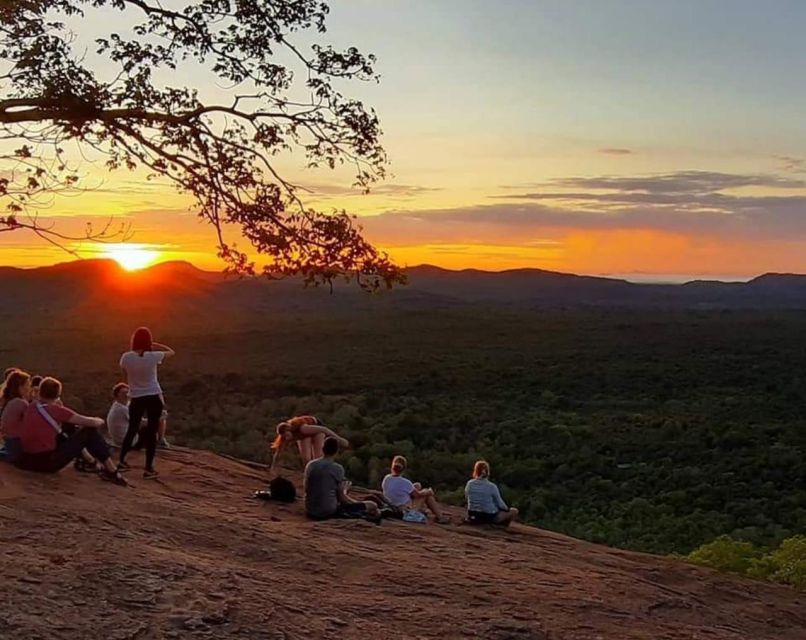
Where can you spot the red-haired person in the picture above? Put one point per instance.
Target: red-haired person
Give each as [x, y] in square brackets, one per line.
[47, 449]
[6, 374]
[308, 433]
[484, 502]
[140, 366]
[15, 394]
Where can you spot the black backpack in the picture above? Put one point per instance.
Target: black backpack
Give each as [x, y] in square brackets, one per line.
[280, 490]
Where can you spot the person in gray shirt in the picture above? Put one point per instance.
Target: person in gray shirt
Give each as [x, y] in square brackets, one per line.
[326, 489]
[484, 502]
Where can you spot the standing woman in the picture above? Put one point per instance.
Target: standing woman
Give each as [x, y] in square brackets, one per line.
[140, 373]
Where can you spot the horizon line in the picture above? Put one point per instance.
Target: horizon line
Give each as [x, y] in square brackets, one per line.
[636, 277]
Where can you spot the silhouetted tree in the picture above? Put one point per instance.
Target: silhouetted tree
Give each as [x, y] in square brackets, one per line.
[282, 96]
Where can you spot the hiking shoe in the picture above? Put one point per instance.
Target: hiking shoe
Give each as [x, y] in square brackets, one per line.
[150, 474]
[164, 444]
[115, 478]
[82, 466]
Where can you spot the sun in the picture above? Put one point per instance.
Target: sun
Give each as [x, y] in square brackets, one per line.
[132, 256]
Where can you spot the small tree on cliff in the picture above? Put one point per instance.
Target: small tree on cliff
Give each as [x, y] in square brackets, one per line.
[280, 96]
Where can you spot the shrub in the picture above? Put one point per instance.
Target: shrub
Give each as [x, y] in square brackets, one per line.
[786, 564]
[726, 554]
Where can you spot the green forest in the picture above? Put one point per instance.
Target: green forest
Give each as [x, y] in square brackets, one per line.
[657, 431]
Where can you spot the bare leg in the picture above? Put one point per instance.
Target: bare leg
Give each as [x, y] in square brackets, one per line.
[162, 428]
[317, 442]
[433, 506]
[305, 451]
[505, 518]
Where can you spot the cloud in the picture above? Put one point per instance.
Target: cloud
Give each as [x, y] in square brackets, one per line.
[686, 202]
[616, 151]
[681, 182]
[389, 190]
[792, 164]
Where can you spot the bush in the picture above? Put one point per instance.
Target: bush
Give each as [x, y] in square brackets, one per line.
[726, 554]
[786, 564]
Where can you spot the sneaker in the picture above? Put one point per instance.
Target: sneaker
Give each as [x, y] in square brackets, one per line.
[150, 474]
[115, 478]
[122, 466]
[164, 444]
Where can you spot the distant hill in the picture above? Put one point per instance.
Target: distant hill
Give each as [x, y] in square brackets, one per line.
[88, 283]
[192, 556]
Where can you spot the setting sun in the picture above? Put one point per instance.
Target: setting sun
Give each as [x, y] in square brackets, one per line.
[132, 256]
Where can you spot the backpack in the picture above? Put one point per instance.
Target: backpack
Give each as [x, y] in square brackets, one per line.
[282, 490]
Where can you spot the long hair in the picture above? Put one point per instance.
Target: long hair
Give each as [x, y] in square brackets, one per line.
[282, 429]
[141, 340]
[14, 382]
[481, 469]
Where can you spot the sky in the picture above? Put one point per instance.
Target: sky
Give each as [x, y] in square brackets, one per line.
[617, 137]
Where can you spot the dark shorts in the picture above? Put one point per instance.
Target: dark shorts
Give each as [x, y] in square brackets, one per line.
[480, 517]
[350, 510]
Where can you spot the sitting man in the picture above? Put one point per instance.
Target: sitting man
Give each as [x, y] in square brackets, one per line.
[117, 419]
[46, 448]
[326, 489]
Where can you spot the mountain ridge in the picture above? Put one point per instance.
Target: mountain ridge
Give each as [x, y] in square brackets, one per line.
[427, 284]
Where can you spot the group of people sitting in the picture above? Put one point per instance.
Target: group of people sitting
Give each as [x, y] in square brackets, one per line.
[39, 433]
[327, 490]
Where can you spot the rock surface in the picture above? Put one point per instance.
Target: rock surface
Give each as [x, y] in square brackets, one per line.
[192, 555]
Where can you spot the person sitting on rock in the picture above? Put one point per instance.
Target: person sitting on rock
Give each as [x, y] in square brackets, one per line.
[484, 502]
[117, 420]
[326, 489]
[6, 374]
[45, 446]
[15, 394]
[405, 495]
[308, 433]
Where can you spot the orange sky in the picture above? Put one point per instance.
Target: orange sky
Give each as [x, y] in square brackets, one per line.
[527, 135]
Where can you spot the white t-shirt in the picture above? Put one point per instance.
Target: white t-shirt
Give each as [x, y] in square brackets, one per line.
[397, 490]
[142, 372]
[117, 421]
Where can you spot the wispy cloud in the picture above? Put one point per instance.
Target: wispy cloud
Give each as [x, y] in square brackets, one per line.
[389, 190]
[681, 182]
[791, 164]
[687, 202]
[616, 151]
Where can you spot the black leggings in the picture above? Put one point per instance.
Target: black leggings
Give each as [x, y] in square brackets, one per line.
[151, 407]
[66, 451]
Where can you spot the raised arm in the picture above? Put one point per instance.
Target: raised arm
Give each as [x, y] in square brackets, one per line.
[158, 346]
